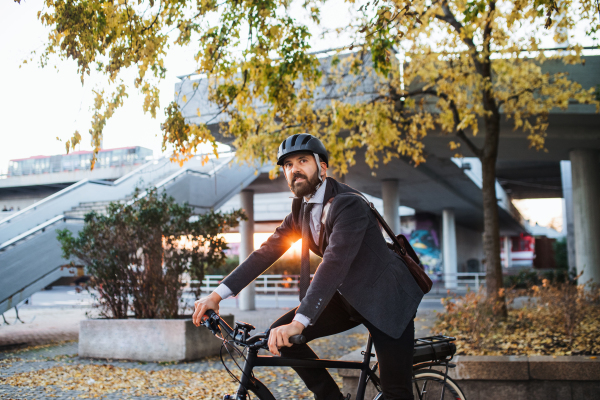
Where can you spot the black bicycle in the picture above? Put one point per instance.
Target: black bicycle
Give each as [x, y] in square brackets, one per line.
[430, 352]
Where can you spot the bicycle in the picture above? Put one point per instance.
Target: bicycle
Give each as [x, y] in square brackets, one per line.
[429, 383]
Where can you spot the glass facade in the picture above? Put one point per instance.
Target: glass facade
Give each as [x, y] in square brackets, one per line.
[79, 161]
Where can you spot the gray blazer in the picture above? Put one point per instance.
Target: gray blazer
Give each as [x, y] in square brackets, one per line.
[356, 262]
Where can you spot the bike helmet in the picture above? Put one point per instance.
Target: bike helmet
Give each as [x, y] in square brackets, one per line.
[302, 143]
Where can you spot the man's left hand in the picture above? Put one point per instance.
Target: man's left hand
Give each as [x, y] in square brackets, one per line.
[279, 337]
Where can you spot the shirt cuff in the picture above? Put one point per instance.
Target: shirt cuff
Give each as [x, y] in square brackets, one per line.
[223, 291]
[303, 319]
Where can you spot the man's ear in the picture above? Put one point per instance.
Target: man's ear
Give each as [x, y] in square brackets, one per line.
[323, 169]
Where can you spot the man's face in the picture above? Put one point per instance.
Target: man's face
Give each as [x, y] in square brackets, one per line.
[302, 174]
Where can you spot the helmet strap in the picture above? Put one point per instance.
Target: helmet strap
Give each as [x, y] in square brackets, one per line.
[319, 173]
[318, 165]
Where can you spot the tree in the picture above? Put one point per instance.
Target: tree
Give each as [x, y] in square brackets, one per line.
[137, 254]
[466, 64]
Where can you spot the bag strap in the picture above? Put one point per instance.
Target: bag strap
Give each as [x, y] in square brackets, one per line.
[386, 227]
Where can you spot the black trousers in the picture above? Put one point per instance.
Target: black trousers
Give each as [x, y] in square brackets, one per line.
[395, 356]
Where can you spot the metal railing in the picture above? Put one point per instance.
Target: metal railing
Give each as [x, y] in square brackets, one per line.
[288, 284]
[38, 228]
[147, 169]
[74, 186]
[458, 280]
[266, 284]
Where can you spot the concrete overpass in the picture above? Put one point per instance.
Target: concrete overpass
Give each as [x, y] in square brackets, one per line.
[450, 190]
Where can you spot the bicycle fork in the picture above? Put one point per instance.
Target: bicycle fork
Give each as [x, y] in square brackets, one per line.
[246, 379]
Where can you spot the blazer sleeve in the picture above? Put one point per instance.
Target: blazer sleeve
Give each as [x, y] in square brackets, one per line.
[349, 219]
[261, 259]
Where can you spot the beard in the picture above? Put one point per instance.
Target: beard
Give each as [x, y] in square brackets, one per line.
[306, 187]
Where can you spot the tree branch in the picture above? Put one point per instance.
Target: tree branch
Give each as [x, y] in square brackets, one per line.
[476, 150]
[487, 30]
[449, 18]
[513, 97]
[459, 132]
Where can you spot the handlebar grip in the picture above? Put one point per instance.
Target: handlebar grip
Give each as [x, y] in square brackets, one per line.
[297, 339]
[213, 316]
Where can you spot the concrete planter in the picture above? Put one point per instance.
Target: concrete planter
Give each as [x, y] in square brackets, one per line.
[511, 377]
[147, 339]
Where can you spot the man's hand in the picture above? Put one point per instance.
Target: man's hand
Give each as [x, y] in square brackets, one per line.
[279, 337]
[210, 302]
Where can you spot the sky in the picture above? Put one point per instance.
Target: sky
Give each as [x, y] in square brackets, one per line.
[37, 105]
[544, 212]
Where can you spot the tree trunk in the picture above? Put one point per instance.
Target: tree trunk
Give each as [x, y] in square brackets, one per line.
[491, 235]
[153, 284]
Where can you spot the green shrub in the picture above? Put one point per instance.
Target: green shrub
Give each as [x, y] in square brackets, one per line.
[138, 253]
[523, 280]
[561, 257]
[231, 262]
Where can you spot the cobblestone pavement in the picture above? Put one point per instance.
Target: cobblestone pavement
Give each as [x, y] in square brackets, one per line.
[38, 358]
[283, 383]
[41, 325]
[27, 368]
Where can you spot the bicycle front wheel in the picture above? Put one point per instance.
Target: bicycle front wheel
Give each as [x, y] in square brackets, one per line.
[430, 384]
[260, 391]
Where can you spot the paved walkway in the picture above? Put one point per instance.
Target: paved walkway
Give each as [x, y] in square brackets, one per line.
[54, 316]
[51, 325]
[38, 358]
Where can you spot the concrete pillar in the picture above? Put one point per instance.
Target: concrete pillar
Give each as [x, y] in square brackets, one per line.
[568, 227]
[390, 193]
[507, 248]
[248, 294]
[449, 248]
[585, 169]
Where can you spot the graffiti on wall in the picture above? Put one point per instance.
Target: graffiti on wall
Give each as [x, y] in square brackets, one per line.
[422, 233]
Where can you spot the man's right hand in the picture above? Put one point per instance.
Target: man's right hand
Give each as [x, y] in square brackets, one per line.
[210, 302]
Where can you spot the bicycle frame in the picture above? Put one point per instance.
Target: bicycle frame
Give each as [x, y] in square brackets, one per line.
[254, 360]
[441, 356]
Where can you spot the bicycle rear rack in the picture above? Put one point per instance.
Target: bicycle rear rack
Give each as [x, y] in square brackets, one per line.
[433, 350]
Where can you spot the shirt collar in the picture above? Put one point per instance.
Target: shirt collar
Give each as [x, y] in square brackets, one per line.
[319, 195]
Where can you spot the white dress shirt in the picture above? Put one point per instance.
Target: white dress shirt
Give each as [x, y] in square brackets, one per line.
[315, 229]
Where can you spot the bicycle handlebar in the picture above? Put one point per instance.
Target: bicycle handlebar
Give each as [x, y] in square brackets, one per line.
[213, 318]
[297, 339]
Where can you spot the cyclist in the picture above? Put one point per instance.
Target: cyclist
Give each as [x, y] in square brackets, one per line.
[359, 281]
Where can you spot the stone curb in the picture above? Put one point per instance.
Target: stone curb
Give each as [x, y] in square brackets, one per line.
[510, 368]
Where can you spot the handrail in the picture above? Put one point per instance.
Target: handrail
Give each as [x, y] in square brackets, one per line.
[51, 197]
[68, 267]
[176, 175]
[108, 183]
[36, 229]
[135, 171]
[75, 186]
[31, 231]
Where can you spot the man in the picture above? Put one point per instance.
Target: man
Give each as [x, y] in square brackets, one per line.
[359, 281]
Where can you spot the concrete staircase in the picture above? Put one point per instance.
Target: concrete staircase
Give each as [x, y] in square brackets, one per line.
[82, 209]
[30, 254]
